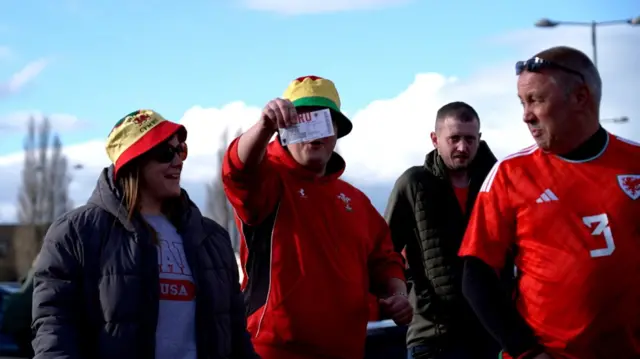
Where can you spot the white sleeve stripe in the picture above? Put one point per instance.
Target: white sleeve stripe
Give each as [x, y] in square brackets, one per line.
[486, 185]
[488, 182]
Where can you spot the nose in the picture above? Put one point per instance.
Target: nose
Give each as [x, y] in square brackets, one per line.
[462, 146]
[177, 161]
[528, 116]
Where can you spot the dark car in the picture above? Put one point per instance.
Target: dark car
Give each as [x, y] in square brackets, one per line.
[8, 346]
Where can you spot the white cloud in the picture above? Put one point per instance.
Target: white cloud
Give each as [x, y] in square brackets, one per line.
[298, 7]
[392, 134]
[21, 78]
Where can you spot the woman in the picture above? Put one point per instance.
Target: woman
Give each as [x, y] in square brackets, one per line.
[138, 272]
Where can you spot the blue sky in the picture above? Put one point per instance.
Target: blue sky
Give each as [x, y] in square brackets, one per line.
[108, 58]
[100, 60]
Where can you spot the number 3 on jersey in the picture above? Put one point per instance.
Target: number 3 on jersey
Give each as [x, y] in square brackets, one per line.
[600, 225]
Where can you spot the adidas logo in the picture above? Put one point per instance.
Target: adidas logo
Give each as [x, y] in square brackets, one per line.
[547, 196]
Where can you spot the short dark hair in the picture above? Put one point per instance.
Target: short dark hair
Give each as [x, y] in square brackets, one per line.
[459, 110]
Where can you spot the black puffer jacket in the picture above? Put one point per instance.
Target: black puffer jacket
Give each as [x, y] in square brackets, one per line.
[425, 217]
[97, 284]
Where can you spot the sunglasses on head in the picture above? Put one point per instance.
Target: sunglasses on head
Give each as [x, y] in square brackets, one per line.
[537, 64]
[165, 153]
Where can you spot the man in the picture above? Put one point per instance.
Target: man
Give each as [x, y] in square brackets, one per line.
[312, 243]
[568, 206]
[427, 213]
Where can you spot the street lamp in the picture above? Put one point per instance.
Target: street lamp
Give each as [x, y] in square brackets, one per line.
[593, 24]
[623, 119]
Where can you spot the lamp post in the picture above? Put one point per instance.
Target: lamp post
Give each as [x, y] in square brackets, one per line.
[593, 24]
[622, 119]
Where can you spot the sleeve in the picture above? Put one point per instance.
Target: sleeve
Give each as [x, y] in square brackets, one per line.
[56, 294]
[496, 310]
[253, 193]
[242, 346]
[490, 233]
[384, 262]
[437, 265]
[399, 216]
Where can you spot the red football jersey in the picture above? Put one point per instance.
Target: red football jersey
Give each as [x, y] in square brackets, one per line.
[575, 227]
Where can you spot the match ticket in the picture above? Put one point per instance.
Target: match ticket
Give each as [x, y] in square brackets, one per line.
[311, 126]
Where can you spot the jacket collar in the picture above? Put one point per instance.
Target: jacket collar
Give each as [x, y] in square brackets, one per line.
[479, 167]
[109, 196]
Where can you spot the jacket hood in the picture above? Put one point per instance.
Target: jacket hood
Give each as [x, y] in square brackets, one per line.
[335, 167]
[109, 196]
[484, 161]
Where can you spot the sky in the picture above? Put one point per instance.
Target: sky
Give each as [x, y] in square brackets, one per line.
[213, 64]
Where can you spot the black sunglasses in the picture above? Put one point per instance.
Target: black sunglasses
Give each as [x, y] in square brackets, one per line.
[165, 153]
[537, 64]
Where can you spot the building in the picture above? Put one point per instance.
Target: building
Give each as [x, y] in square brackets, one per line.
[19, 245]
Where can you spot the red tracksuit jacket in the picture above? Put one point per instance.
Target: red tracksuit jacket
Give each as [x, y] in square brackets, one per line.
[312, 248]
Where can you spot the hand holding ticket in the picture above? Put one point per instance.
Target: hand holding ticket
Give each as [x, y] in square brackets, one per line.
[310, 126]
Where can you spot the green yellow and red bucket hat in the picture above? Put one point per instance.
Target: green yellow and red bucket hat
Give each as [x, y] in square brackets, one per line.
[137, 133]
[314, 91]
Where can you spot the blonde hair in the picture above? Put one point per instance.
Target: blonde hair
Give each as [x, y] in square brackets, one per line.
[129, 181]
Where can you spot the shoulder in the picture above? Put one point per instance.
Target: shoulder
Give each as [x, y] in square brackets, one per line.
[214, 229]
[70, 235]
[412, 176]
[352, 195]
[78, 221]
[218, 239]
[415, 180]
[410, 180]
[485, 159]
[505, 167]
[356, 198]
[626, 145]
[521, 157]
[87, 216]
[208, 226]
[351, 191]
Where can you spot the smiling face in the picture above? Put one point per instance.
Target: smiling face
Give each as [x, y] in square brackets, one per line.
[315, 155]
[161, 169]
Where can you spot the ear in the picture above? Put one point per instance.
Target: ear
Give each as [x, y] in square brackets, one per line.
[479, 136]
[434, 139]
[582, 96]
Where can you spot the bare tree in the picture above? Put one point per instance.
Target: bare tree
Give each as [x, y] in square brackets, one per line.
[44, 194]
[28, 195]
[217, 206]
[58, 200]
